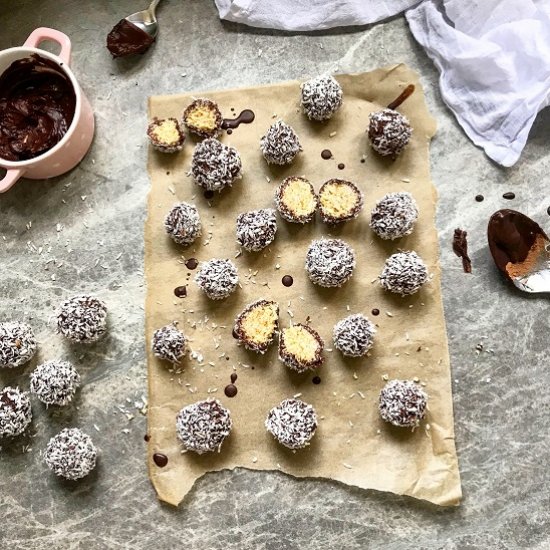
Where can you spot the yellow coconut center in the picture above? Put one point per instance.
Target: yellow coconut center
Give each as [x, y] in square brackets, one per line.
[338, 199]
[202, 117]
[300, 343]
[259, 323]
[298, 198]
[166, 132]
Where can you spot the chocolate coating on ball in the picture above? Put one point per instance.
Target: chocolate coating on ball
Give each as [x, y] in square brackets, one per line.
[330, 262]
[404, 273]
[292, 423]
[256, 229]
[169, 343]
[321, 97]
[402, 403]
[214, 165]
[15, 412]
[183, 223]
[218, 278]
[203, 426]
[394, 215]
[71, 454]
[82, 319]
[354, 335]
[17, 344]
[55, 382]
[389, 132]
[280, 144]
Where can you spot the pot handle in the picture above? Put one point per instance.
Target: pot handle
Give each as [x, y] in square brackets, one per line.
[44, 33]
[12, 175]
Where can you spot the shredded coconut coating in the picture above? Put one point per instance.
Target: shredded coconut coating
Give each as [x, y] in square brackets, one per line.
[321, 97]
[15, 412]
[203, 426]
[354, 335]
[402, 403]
[292, 423]
[404, 273]
[330, 262]
[214, 165]
[82, 319]
[218, 278]
[17, 344]
[394, 215]
[389, 132]
[169, 343]
[55, 382]
[183, 223]
[256, 229]
[280, 144]
[71, 454]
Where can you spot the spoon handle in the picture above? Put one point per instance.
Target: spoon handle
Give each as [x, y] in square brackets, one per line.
[153, 6]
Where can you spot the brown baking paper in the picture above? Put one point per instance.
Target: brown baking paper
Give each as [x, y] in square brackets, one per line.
[352, 445]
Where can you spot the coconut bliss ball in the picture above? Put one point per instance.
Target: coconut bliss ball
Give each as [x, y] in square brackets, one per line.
[183, 223]
[402, 403]
[389, 132]
[15, 412]
[404, 273]
[330, 262]
[214, 165]
[82, 319]
[218, 278]
[354, 335]
[321, 97]
[17, 344]
[71, 454]
[292, 423]
[280, 144]
[256, 229]
[55, 382]
[169, 343]
[394, 216]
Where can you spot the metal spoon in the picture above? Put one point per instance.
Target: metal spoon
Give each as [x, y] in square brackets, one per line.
[521, 250]
[146, 20]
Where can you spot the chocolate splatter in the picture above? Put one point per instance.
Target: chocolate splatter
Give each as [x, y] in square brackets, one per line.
[287, 280]
[191, 263]
[460, 248]
[160, 460]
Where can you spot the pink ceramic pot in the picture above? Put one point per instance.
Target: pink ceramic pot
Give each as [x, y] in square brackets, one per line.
[66, 154]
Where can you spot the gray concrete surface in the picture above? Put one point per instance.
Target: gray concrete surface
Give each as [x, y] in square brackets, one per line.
[501, 398]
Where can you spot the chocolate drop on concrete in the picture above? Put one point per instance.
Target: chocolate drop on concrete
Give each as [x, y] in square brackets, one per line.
[326, 154]
[316, 380]
[180, 291]
[480, 198]
[160, 460]
[511, 235]
[548, 211]
[246, 117]
[509, 196]
[375, 311]
[146, 437]
[208, 194]
[191, 263]
[230, 390]
[126, 38]
[233, 377]
[341, 166]
[287, 280]
[401, 97]
[460, 248]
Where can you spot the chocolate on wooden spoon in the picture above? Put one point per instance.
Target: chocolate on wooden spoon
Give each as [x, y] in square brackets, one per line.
[520, 249]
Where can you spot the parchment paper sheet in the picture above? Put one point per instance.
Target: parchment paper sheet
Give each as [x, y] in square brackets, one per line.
[352, 444]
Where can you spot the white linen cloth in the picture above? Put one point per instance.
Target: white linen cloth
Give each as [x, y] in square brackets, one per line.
[493, 55]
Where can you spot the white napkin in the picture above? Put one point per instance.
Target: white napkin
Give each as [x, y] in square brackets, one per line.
[493, 55]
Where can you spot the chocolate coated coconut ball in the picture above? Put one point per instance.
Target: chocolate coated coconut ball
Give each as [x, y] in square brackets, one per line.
[203, 118]
[402, 403]
[17, 344]
[280, 144]
[82, 319]
[55, 382]
[330, 262]
[218, 278]
[321, 97]
[394, 215]
[389, 132]
[256, 229]
[203, 426]
[165, 135]
[169, 343]
[214, 165]
[183, 223]
[71, 454]
[404, 273]
[296, 200]
[15, 412]
[301, 348]
[292, 423]
[354, 335]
